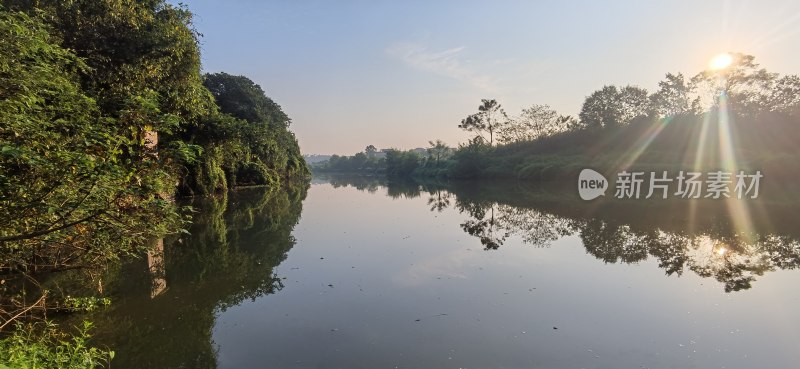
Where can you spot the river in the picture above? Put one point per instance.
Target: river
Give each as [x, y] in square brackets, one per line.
[361, 273]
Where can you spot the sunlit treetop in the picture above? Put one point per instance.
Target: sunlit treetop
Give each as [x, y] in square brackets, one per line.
[720, 61]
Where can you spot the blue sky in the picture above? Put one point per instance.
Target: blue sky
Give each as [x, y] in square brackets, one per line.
[400, 73]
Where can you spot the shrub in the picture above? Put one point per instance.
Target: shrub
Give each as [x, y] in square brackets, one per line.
[43, 345]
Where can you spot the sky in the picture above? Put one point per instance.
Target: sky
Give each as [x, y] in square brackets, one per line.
[396, 74]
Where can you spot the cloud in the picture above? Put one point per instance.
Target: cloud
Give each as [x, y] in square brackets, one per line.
[446, 63]
[450, 265]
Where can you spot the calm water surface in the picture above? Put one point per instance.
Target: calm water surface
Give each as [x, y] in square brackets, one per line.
[356, 273]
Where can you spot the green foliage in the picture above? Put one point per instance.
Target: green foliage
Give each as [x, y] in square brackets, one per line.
[70, 194]
[243, 99]
[85, 86]
[230, 255]
[612, 106]
[674, 97]
[622, 128]
[132, 47]
[536, 121]
[766, 144]
[85, 303]
[44, 346]
[246, 143]
[489, 116]
[366, 162]
[744, 83]
[785, 95]
[143, 70]
[437, 152]
[401, 163]
[471, 159]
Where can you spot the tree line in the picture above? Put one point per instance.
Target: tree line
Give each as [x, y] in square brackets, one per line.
[748, 90]
[757, 109]
[105, 116]
[627, 233]
[392, 162]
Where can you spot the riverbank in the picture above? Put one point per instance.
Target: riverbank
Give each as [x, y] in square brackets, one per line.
[117, 120]
[699, 143]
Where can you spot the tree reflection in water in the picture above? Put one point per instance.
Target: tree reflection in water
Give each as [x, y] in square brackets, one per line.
[620, 232]
[229, 255]
[439, 200]
[711, 249]
[166, 306]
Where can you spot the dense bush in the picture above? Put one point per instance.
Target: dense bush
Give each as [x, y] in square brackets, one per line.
[401, 163]
[85, 84]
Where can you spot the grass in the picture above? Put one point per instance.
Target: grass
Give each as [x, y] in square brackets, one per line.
[44, 346]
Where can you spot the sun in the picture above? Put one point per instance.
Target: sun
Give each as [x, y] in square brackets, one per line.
[720, 61]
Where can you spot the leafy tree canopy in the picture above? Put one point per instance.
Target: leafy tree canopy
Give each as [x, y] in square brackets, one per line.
[242, 98]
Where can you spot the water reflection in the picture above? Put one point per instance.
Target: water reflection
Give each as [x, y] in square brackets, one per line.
[455, 275]
[155, 264]
[618, 231]
[164, 307]
[483, 224]
[439, 200]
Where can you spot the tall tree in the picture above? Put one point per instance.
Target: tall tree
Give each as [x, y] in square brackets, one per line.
[612, 106]
[258, 148]
[634, 103]
[600, 108]
[69, 196]
[489, 116]
[138, 52]
[370, 150]
[785, 95]
[533, 122]
[244, 99]
[675, 96]
[745, 85]
[437, 151]
[143, 69]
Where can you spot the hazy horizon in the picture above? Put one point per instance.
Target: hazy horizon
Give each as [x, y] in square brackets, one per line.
[350, 74]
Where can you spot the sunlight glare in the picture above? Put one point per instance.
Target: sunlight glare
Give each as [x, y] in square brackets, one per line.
[720, 61]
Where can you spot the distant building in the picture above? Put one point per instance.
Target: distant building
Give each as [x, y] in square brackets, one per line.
[382, 153]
